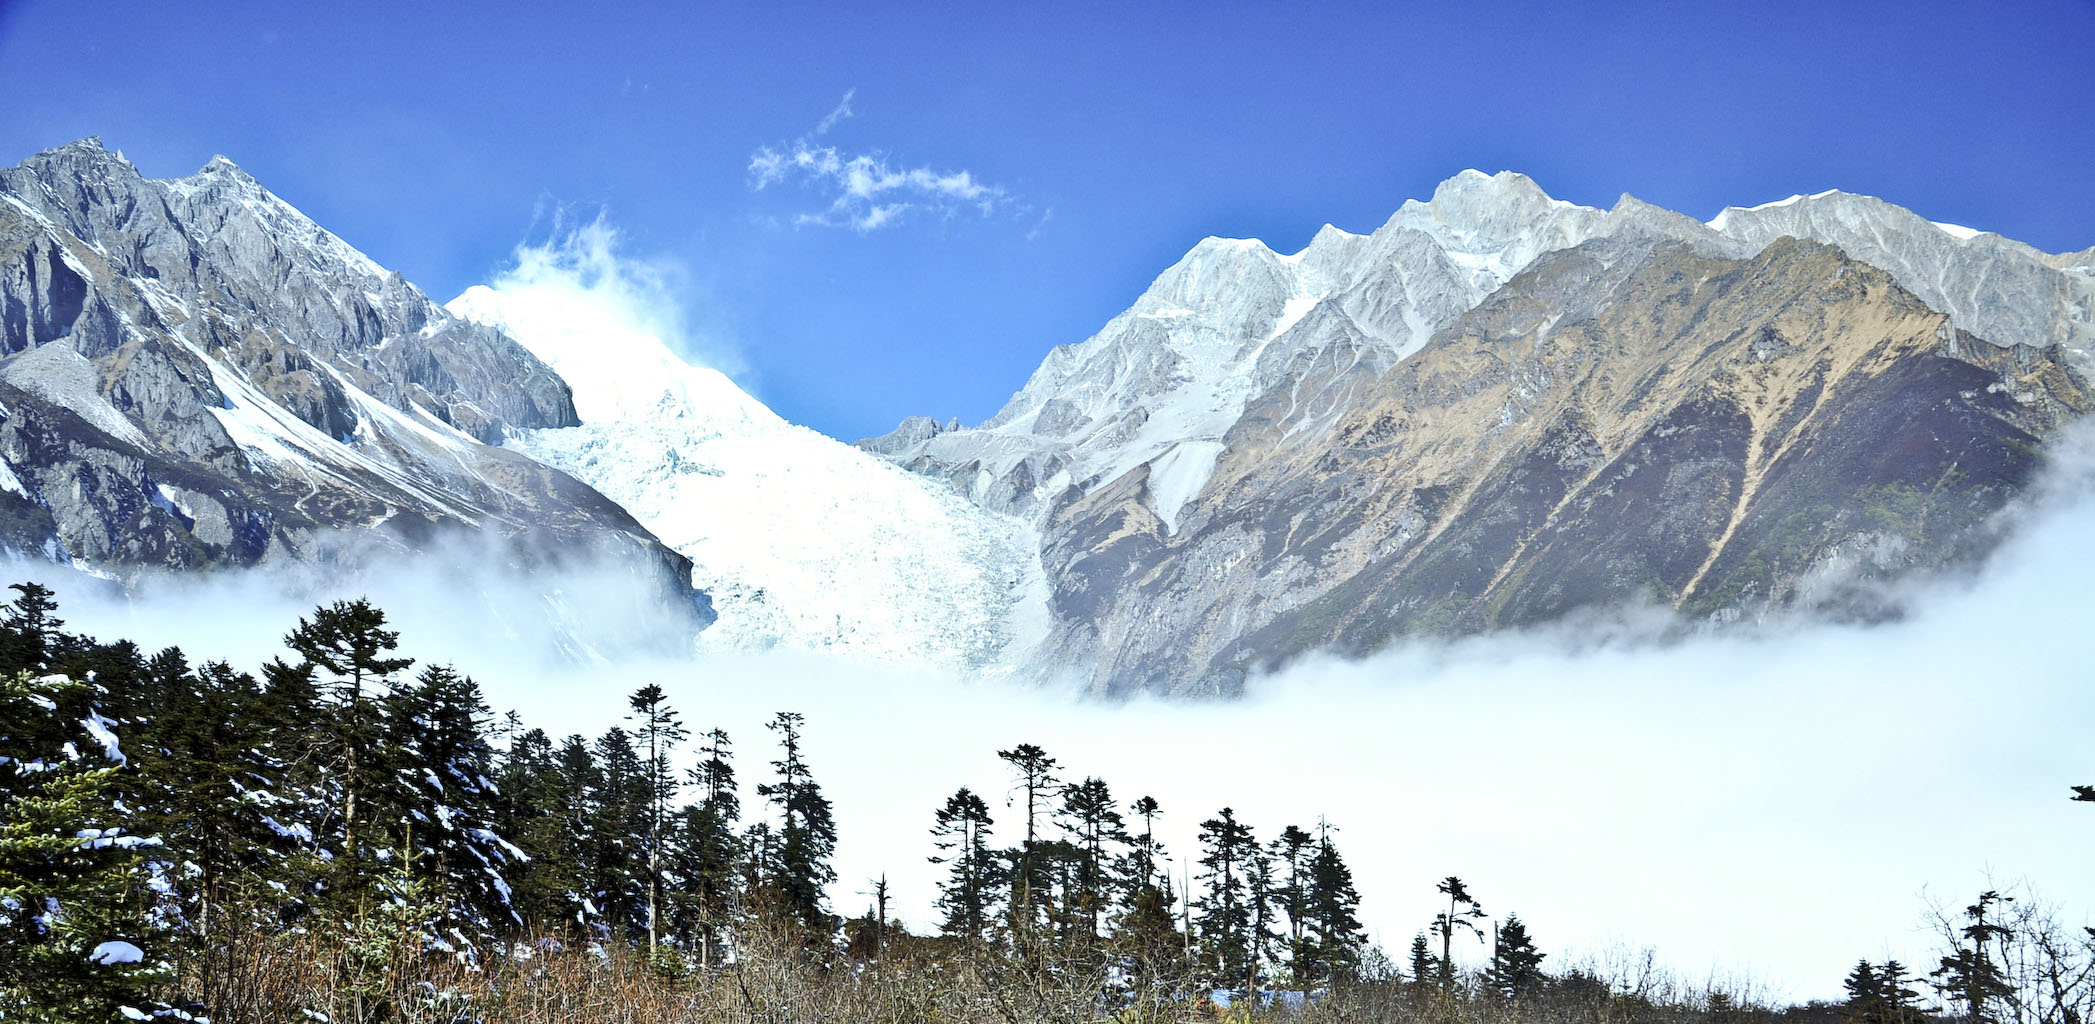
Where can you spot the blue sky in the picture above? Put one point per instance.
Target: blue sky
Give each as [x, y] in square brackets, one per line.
[1041, 163]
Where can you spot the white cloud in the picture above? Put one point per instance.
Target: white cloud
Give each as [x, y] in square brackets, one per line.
[584, 281]
[842, 111]
[865, 191]
[1702, 796]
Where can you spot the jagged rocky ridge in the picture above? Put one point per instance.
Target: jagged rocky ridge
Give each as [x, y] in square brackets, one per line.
[1501, 409]
[194, 375]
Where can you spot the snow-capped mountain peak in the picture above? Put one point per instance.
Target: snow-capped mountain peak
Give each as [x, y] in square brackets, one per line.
[801, 541]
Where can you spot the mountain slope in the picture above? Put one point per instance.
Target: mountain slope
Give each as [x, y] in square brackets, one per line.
[801, 541]
[194, 375]
[1501, 409]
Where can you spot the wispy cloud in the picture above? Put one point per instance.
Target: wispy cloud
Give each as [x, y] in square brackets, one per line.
[866, 191]
[842, 111]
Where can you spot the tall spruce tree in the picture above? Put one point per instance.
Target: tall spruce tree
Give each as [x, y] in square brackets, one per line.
[348, 640]
[1335, 939]
[1030, 876]
[807, 834]
[710, 838]
[658, 731]
[967, 896]
[1516, 965]
[71, 947]
[1226, 914]
[1096, 830]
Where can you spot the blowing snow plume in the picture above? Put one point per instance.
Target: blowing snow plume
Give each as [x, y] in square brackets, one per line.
[801, 542]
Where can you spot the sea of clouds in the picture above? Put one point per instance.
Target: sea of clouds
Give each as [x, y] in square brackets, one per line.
[1772, 804]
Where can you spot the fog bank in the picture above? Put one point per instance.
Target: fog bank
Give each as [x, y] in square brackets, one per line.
[1777, 804]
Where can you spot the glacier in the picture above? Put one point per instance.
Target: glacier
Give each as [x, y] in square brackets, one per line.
[802, 542]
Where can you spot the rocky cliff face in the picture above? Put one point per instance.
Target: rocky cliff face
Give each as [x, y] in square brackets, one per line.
[194, 375]
[1501, 410]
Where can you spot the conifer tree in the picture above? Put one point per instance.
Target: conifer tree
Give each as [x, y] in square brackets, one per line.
[658, 731]
[967, 896]
[1425, 968]
[616, 813]
[1226, 911]
[30, 637]
[1516, 965]
[710, 838]
[348, 640]
[1462, 914]
[807, 834]
[70, 949]
[1332, 907]
[1029, 868]
[442, 802]
[1096, 828]
[535, 812]
[1970, 975]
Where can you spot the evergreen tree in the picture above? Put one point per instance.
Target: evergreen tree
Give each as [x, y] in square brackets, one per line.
[348, 640]
[442, 803]
[1335, 939]
[658, 731]
[535, 811]
[709, 836]
[1516, 965]
[209, 789]
[1425, 968]
[1096, 827]
[807, 834]
[1029, 873]
[967, 896]
[1462, 914]
[1969, 974]
[30, 637]
[615, 814]
[1226, 914]
[71, 946]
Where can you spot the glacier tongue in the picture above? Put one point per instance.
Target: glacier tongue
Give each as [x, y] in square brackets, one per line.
[802, 541]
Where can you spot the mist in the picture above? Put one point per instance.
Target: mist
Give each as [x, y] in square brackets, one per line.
[1773, 805]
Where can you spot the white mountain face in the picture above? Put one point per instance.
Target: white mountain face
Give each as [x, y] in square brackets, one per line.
[2002, 290]
[801, 541]
[1162, 383]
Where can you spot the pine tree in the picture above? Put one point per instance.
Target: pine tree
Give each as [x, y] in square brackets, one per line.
[1332, 906]
[1096, 828]
[710, 838]
[71, 949]
[1516, 966]
[658, 731]
[967, 896]
[1226, 911]
[807, 834]
[1425, 968]
[1462, 914]
[442, 802]
[1029, 864]
[1969, 974]
[348, 639]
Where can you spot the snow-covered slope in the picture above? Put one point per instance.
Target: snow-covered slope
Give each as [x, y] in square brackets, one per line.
[801, 541]
[1162, 383]
[194, 375]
